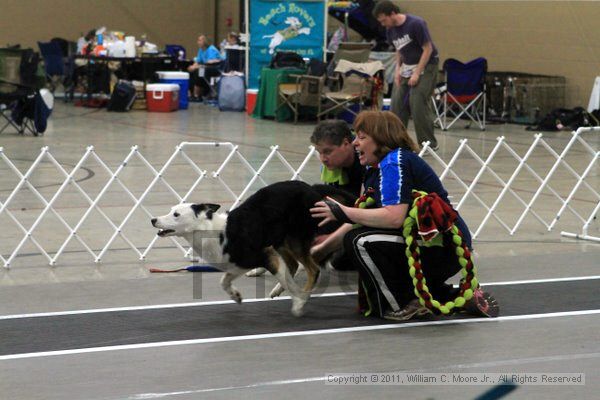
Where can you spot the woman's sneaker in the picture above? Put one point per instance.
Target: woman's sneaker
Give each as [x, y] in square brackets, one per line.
[482, 304]
[414, 309]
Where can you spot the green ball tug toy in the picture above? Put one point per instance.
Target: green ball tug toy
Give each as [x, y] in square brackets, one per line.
[469, 282]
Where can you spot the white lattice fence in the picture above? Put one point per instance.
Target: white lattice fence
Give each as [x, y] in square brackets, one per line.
[136, 190]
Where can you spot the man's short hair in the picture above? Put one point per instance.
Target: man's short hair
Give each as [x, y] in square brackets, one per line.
[332, 131]
[385, 7]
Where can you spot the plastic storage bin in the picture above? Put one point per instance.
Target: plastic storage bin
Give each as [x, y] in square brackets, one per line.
[162, 97]
[180, 78]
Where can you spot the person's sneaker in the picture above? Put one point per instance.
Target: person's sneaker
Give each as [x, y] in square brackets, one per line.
[411, 310]
[482, 304]
[436, 147]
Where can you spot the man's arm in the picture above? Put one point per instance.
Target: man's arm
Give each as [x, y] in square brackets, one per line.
[332, 243]
[398, 68]
[425, 56]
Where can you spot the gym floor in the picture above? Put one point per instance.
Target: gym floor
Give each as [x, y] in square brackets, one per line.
[113, 330]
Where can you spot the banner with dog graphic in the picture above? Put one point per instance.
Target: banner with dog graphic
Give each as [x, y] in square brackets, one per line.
[297, 26]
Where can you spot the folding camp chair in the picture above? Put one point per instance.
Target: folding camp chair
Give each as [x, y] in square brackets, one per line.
[305, 91]
[210, 75]
[463, 94]
[10, 93]
[22, 106]
[356, 52]
[360, 85]
[26, 109]
[56, 66]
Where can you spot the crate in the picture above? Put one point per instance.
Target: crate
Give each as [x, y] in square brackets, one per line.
[523, 98]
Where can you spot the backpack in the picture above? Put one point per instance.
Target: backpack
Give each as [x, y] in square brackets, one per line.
[287, 59]
[231, 92]
[316, 67]
[122, 97]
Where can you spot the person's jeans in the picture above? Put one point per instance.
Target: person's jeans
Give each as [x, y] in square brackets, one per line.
[416, 101]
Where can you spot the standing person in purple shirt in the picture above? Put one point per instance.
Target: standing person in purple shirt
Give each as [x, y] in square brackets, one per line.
[416, 68]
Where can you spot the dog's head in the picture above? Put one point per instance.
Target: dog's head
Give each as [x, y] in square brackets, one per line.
[294, 22]
[185, 218]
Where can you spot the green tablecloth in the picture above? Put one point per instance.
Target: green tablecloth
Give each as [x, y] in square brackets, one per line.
[266, 100]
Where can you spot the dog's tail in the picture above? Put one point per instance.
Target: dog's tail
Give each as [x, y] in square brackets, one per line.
[338, 194]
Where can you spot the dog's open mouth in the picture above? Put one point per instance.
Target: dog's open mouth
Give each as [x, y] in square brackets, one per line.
[165, 232]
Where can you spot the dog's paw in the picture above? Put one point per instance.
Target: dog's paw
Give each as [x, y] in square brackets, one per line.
[298, 305]
[277, 290]
[256, 272]
[236, 296]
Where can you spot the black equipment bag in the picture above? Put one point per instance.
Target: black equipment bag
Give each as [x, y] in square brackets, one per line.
[316, 67]
[287, 59]
[122, 97]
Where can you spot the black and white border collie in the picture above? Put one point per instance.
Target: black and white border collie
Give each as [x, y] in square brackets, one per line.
[273, 222]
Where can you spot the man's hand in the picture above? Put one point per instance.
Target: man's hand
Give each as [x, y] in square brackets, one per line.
[397, 77]
[193, 67]
[320, 239]
[319, 252]
[414, 78]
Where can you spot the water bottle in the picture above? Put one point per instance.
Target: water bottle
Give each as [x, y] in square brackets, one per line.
[100, 39]
[180, 55]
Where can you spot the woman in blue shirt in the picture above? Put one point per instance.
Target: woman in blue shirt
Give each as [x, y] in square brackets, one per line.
[377, 248]
[209, 59]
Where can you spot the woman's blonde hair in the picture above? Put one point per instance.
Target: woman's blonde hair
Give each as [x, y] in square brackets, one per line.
[386, 130]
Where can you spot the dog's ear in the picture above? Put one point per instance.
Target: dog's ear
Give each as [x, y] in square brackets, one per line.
[208, 207]
[212, 207]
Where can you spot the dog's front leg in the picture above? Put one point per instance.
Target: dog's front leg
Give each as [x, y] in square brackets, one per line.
[231, 290]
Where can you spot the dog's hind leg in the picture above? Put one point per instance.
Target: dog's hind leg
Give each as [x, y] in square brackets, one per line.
[231, 290]
[283, 275]
[311, 267]
[292, 265]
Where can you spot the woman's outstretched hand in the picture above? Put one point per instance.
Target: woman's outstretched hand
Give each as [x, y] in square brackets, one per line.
[329, 210]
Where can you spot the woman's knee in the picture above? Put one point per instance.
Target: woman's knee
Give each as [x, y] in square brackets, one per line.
[349, 242]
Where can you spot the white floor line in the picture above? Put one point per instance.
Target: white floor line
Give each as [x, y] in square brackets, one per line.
[454, 367]
[221, 302]
[297, 333]
[548, 280]
[158, 306]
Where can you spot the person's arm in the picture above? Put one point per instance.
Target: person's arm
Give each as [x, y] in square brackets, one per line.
[212, 55]
[388, 217]
[398, 68]
[332, 243]
[196, 63]
[425, 56]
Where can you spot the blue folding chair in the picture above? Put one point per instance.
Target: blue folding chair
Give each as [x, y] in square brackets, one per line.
[463, 94]
[54, 64]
